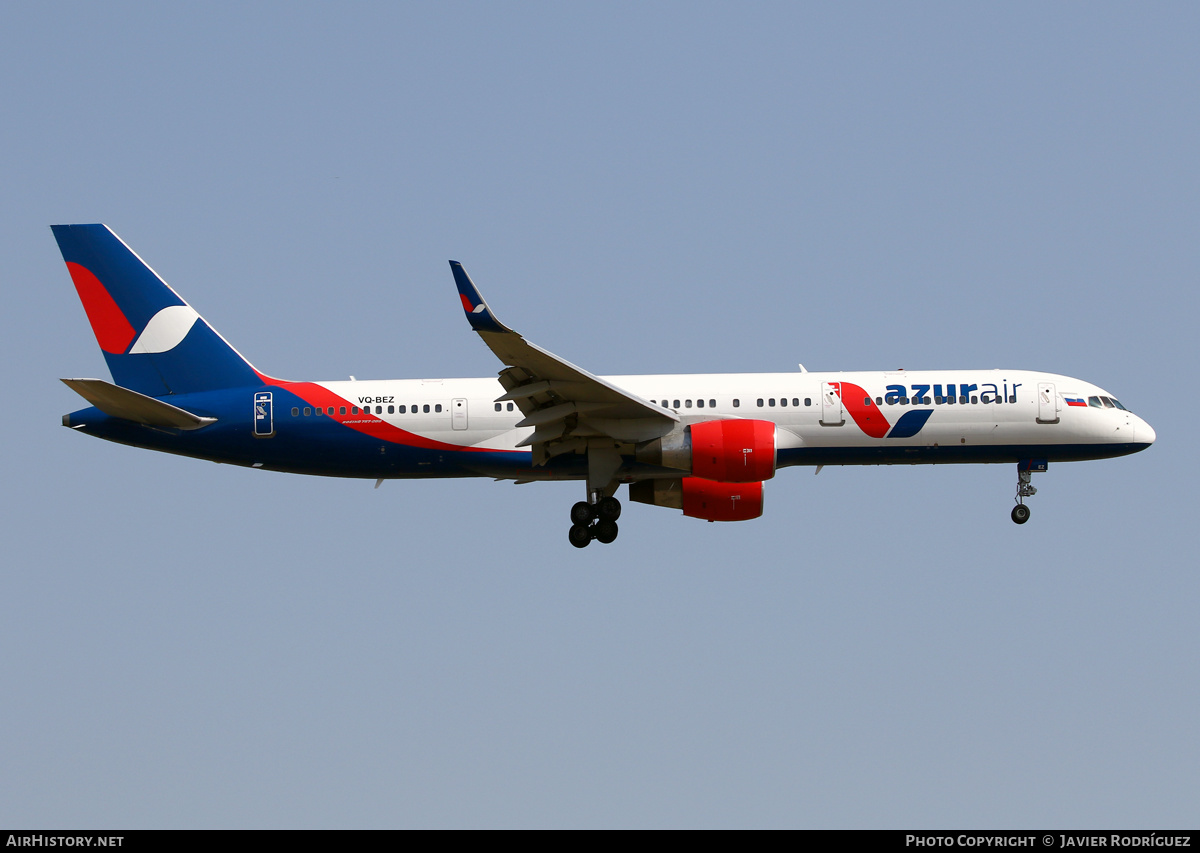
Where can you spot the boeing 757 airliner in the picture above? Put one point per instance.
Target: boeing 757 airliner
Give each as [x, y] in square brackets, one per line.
[702, 443]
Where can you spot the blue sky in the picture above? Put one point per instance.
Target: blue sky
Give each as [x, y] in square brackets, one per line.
[655, 188]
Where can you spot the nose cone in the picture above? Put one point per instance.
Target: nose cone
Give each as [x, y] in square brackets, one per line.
[1143, 433]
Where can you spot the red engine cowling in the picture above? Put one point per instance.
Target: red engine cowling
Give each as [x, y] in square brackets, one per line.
[705, 499]
[722, 501]
[734, 451]
[727, 451]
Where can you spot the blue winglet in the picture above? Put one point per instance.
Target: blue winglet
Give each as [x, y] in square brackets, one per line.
[479, 315]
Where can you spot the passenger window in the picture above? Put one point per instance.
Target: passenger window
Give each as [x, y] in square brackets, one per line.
[307, 411]
[295, 411]
[737, 404]
[866, 401]
[318, 411]
[401, 408]
[962, 399]
[808, 401]
[341, 410]
[687, 404]
[438, 407]
[498, 407]
[330, 412]
[354, 410]
[974, 399]
[783, 401]
[712, 404]
[937, 399]
[391, 410]
[510, 407]
[676, 406]
[771, 402]
[425, 408]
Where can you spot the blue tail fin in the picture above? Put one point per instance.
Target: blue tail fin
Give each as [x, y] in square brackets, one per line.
[153, 341]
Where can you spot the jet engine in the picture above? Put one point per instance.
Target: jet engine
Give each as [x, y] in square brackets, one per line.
[699, 498]
[725, 451]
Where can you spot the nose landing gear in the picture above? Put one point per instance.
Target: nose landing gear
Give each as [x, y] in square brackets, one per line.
[1025, 489]
[594, 521]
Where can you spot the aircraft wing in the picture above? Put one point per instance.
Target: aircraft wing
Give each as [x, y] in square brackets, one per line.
[568, 408]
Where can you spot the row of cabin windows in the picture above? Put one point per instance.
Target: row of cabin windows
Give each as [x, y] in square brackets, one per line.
[769, 402]
[784, 402]
[687, 404]
[894, 401]
[939, 401]
[737, 403]
[309, 411]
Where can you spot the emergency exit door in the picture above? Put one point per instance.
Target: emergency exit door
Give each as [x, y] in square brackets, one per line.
[458, 413]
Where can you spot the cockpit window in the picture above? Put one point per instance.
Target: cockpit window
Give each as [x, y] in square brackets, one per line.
[1102, 402]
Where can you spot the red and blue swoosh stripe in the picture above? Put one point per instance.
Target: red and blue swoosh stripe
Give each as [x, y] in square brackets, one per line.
[870, 419]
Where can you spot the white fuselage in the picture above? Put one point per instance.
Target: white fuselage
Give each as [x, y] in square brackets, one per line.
[966, 409]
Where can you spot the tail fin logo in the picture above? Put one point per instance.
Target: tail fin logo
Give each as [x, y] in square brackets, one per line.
[154, 342]
[165, 330]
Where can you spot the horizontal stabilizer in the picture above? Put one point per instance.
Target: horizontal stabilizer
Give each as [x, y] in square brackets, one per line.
[118, 402]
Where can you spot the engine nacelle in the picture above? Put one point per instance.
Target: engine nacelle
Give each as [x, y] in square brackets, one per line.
[700, 498]
[725, 451]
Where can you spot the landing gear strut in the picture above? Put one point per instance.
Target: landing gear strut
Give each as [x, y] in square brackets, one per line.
[594, 521]
[1025, 489]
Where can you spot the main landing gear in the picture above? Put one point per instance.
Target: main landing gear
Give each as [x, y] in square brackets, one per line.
[1025, 489]
[594, 521]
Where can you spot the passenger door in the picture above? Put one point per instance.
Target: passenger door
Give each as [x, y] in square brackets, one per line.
[831, 406]
[1047, 403]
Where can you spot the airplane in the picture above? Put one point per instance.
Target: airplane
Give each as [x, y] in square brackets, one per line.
[702, 443]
